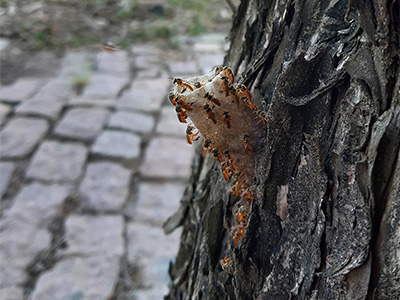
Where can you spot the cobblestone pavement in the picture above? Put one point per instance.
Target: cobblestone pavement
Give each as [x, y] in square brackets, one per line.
[87, 180]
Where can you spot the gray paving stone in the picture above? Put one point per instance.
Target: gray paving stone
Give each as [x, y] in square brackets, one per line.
[156, 202]
[6, 170]
[4, 111]
[117, 144]
[12, 293]
[37, 204]
[78, 278]
[208, 47]
[150, 72]
[57, 89]
[151, 293]
[55, 161]
[83, 102]
[146, 95]
[208, 61]
[167, 157]
[133, 121]
[183, 68]
[82, 123]
[94, 236]
[20, 136]
[43, 107]
[151, 251]
[20, 243]
[169, 123]
[105, 186]
[145, 50]
[103, 86]
[23, 230]
[20, 90]
[115, 63]
[73, 61]
[143, 62]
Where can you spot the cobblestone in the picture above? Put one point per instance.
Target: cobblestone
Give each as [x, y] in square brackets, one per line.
[105, 187]
[145, 50]
[104, 86]
[153, 268]
[82, 123]
[183, 68]
[115, 63]
[55, 161]
[146, 95]
[169, 124]
[38, 204]
[43, 107]
[156, 202]
[6, 170]
[78, 278]
[117, 144]
[92, 236]
[4, 111]
[73, 62]
[20, 243]
[97, 238]
[106, 103]
[90, 266]
[11, 293]
[20, 91]
[132, 121]
[57, 89]
[20, 136]
[23, 230]
[173, 162]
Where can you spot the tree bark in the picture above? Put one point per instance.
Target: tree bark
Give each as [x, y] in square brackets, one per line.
[324, 223]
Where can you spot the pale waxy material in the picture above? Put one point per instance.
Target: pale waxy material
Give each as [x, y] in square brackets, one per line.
[223, 113]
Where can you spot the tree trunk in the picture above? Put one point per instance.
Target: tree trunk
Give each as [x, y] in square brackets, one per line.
[324, 223]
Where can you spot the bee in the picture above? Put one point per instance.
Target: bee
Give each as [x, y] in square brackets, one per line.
[211, 98]
[246, 145]
[171, 97]
[183, 85]
[247, 195]
[190, 135]
[242, 214]
[109, 47]
[182, 103]
[218, 70]
[216, 155]
[226, 171]
[181, 114]
[237, 233]
[209, 113]
[206, 144]
[227, 119]
[262, 116]
[228, 74]
[229, 160]
[244, 95]
[197, 85]
[226, 264]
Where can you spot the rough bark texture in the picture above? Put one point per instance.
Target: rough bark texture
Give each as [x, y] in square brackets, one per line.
[325, 220]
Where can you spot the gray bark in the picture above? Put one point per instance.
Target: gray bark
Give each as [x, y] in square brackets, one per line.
[325, 220]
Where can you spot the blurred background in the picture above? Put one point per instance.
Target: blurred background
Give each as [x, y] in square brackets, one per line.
[92, 157]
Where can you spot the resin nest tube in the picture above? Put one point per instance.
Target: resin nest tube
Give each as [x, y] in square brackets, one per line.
[223, 113]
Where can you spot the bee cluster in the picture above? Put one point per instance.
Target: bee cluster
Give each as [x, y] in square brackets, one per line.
[222, 113]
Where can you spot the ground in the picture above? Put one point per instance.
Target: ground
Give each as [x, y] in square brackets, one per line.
[93, 161]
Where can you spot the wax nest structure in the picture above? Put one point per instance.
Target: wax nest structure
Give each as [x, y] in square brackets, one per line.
[230, 125]
[224, 115]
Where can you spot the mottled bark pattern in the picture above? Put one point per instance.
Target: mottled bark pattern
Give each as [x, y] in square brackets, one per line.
[325, 220]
